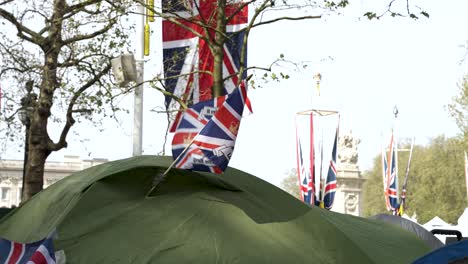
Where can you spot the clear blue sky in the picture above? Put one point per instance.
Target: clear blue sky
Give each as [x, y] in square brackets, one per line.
[376, 65]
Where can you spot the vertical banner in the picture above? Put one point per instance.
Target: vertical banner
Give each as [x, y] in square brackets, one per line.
[312, 159]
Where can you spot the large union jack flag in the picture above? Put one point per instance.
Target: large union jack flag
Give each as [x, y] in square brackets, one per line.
[392, 193]
[40, 252]
[330, 183]
[211, 148]
[187, 54]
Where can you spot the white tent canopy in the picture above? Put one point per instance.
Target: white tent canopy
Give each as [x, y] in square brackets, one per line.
[436, 223]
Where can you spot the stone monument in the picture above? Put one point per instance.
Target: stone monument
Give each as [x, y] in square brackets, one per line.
[348, 197]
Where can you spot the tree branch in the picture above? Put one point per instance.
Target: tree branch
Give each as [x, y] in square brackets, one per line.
[103, 30]
[285, 18]
[70, 121]
[33, 38]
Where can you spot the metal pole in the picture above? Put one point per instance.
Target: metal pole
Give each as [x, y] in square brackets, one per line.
[395, 140]
[138, 99]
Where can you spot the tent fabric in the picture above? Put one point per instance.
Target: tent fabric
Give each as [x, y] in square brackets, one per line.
[431, 240]
[101, 215]
[453, 253]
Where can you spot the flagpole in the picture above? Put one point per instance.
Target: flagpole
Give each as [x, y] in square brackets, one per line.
[322, 181]
[138, 96]
[160, 178]
[395, 112]
[403, 194]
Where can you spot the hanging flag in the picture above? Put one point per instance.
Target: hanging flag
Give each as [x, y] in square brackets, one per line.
[188, 62]
[307, 190]
[391, 178]
[321, 183]
[193, 120]
[330, 183]
[40, 252]
[311, 182]
[466, 173]
[211, 149]
[385, 173]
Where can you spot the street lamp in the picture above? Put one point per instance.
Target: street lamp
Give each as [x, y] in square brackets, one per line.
[25, 114]
[318, 78]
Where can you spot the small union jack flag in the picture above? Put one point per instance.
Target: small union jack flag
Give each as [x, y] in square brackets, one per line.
[193, 120]
[385, 174]
[307, 187]
[188, 31]
[392, 193]
[212, 148]
[330, 183]
[40, 252]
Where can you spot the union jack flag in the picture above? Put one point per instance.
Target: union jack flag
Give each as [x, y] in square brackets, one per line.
[307, 187]
[40, 252]
[188, 29]
[193, 120]
[212, 147]
[385, 174]
[330, 183]
[392, 178]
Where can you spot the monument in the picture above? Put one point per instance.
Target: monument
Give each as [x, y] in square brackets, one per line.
[348, 197]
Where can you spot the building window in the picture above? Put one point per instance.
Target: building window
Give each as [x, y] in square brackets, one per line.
[5, 193]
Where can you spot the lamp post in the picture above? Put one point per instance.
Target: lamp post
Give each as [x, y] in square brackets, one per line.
[318, 78]
[25, 115]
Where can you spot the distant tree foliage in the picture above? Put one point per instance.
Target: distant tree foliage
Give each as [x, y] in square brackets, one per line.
[459, 109]
[436, 182]
[290, 184]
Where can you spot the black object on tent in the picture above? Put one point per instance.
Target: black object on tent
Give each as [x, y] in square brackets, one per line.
[431, 240]
[451, 236]
[455, 253]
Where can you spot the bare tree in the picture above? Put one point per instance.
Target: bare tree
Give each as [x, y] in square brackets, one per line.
[64, 47]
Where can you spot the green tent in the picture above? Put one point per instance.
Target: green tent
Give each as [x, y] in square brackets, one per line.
[101, 215]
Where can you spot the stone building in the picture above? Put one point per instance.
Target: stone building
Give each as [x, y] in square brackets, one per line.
[11, 175]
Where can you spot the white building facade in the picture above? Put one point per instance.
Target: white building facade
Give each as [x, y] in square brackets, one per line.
[11, 175]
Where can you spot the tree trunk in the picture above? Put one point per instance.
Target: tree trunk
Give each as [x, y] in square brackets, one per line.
[218, 49]
[39, 141]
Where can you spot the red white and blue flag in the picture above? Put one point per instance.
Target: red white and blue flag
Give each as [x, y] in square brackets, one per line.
[40, 252]
[392, 194]
[330, 183]
[187, 29]
[305, 175]
[306, 187]
[385, 174]
[212, 147]
[193, 120]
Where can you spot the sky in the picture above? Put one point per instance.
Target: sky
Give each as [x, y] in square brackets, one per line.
[367, 68]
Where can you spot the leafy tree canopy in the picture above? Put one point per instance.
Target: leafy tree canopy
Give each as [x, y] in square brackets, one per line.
[436, 181]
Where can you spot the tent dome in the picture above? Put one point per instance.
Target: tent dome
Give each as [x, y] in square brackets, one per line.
[102, 215]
